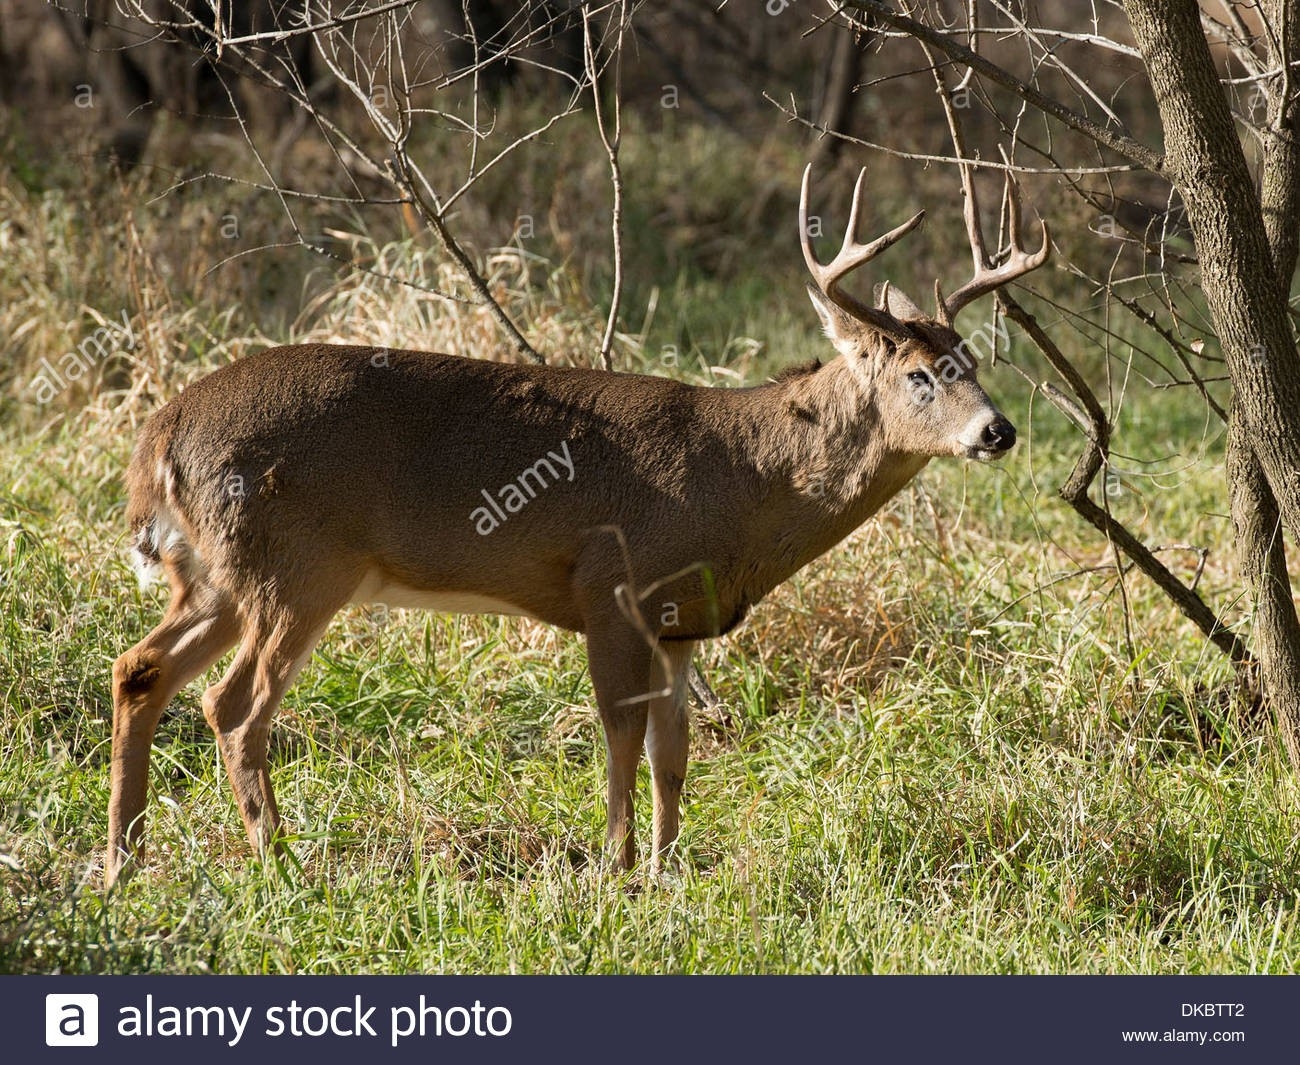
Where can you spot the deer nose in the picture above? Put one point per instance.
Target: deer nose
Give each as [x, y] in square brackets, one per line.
[998, 435]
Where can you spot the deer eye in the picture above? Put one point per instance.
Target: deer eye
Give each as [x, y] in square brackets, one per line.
[921, 385]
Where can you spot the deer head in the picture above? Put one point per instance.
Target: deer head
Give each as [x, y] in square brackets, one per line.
[917, 371]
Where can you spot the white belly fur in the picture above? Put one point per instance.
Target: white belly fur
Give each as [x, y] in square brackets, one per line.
[374, 589]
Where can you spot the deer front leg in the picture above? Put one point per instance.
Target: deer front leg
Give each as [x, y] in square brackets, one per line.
[619, 663]
[668, 746]
[624, 734]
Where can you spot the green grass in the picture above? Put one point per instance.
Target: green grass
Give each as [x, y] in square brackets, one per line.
[936, 759]
[958, 743]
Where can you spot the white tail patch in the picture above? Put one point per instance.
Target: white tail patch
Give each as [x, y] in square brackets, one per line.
[162, 539]
[144, 561]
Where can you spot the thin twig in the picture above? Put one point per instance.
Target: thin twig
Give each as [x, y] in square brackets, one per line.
[411, 182]
[792, 113]
[1120, 143]
[1075, 492]
[611, 140]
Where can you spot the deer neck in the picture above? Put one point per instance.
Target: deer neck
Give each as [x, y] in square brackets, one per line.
[824, 451]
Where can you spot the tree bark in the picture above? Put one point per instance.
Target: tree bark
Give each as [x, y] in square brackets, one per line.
[1254, 509]
[1246, 245]
[1276, 629]
[1204, 159]
[1280, 155]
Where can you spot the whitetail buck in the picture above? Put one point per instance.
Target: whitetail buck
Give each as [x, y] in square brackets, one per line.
[644, 513]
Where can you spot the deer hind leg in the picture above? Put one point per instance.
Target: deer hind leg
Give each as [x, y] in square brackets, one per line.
[667, 744]
[240, 706]
[199, 627]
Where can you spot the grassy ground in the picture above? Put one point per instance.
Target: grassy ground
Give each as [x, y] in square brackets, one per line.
[958, 743]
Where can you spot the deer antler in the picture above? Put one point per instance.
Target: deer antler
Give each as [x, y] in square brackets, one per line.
[1019, 261]
[852, 255]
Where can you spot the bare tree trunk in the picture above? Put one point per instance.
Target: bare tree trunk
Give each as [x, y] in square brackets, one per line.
[1246, 245]
[1254, 507]
[1262, 553]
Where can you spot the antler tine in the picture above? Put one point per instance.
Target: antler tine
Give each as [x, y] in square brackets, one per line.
[970, 210]
[1011, 204]
[851, 255]
[814, 267]
[1019, 262]
[855, 209]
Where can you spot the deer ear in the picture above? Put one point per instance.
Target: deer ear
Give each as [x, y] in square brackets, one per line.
[841, 328]
[900, 305]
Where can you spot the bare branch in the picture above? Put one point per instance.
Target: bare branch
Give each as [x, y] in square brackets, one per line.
[1018, 262]
[1075, 492]
[361, 66]
[611, 131]
[1120, 143]
[792, 113]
